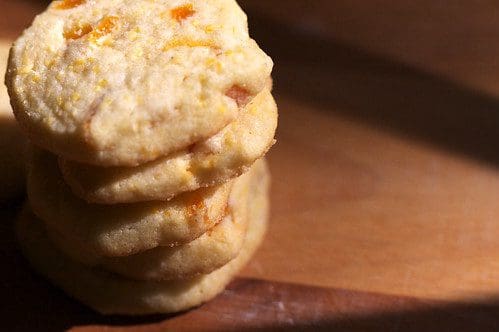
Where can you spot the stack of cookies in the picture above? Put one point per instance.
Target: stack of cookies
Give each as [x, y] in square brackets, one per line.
[149, 121]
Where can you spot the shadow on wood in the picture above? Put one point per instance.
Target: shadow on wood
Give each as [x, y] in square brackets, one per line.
[31, 303]
[339, 78]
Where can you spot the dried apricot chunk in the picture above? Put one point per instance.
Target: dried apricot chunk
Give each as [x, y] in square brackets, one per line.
[105, 26]
[68, 4]
[78, 31]
[180, 13]
[240, 95]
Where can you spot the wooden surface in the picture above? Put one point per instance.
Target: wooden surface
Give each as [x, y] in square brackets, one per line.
[454, 39]
[386, 182]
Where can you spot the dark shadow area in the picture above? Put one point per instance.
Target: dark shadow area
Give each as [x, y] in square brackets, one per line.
[44, 2]
[17, 15]
[12, 148]
[385, 94]
[31, 303]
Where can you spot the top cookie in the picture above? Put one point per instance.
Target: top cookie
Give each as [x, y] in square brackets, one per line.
[122, 82]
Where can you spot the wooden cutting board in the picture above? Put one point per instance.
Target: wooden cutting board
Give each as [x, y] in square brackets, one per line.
[385, 211]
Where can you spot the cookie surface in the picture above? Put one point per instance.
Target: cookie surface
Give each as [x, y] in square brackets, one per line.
[12, 143]
[213, 161]
[120, 230]
[210, 251]
[111, 294]
[123, 82]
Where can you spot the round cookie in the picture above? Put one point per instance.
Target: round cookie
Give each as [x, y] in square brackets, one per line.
[224, 156]
[123, 82]
[111, 294]
[120, 230]
[12, 142]
[205, 254]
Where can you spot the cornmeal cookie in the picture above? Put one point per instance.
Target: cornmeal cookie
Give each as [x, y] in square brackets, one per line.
[123, 82]
[205, 254]
[120, 230]
[12, 142]
[213, 161]
[111, 294]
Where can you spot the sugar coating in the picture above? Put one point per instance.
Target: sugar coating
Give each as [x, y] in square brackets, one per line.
[122, 82]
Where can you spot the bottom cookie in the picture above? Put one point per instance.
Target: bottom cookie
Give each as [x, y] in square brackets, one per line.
[112, 294]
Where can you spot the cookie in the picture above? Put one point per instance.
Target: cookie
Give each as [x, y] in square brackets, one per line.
[111, 294]
[124, 82]
[12, 142]
[125, 229]
[224, 156]
[205, 254]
